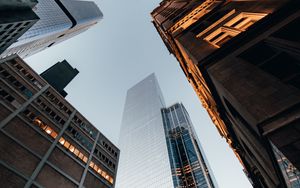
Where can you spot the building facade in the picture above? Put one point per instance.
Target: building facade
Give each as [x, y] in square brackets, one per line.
[16, 18]
[45, 141]
[59, 76]
[187, 160]
[59, 20]
[146, 159]
[242, 59]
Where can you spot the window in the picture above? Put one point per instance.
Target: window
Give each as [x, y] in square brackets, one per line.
[285, 66]
[232, 28]
[8, 26]
[51, 44]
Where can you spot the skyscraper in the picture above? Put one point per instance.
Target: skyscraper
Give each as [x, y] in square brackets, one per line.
[145, 160]
[243, 60]
[44, 140]
[188, 163]
[16, 17]
[59, 76]
[59, 20]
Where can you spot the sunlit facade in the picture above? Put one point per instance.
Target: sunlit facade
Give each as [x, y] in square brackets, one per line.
[59, 20]
[147, 158]
[187, 160]
[242, 59]
[45, 141]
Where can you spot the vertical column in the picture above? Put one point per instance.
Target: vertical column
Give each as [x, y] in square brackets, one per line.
[49, 151]
[88, 162]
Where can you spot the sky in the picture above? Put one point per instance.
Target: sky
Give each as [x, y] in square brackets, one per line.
[112, 56]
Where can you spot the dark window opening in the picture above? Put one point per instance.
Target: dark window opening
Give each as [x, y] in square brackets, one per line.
[51, 44]
[290, 31]
[8, 26]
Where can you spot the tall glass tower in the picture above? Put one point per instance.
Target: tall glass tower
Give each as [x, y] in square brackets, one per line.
[59, 20]
[188, 163]
[146, 159]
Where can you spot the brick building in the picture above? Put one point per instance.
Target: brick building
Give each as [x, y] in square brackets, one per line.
[45, 141]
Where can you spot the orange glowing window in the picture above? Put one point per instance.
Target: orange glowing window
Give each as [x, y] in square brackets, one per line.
[92, 164]
[72, 148]
[76, 152]
[48, 130]
[85, 159]
[62, 141]
[37, 121]
[103, 173]
[95, 167]
[53, 134]
[67, 144]
[43, 126]
[99, 170]
[80, 156]
[232, 28]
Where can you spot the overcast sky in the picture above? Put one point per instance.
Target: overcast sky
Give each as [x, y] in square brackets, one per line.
[116, 54]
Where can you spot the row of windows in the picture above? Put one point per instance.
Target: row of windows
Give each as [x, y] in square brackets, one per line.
[13, 25]
[58, 103]
[104, 159]
[85, 127]
[109, 149]
[15, 83]
[80, 137]
[66, 144]
[27, 75]
[10, 31]
[51, 113]
[6, 96]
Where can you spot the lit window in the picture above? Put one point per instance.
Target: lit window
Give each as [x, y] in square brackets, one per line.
[99, 170]
[95, 167]
[37, 121]
[85, 159]
[53, 134]
[80, 155]
[232, 28]
[76, 152]
[91, 164]
[71, 148]
[48, 130]
[67, 144]
[62, 141]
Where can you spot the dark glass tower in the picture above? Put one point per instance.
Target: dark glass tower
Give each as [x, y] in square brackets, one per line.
[59, 76]
[188, 163]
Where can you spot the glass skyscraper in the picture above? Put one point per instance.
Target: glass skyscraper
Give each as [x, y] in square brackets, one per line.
[146, 159]
[188, 163]
[59, 20]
